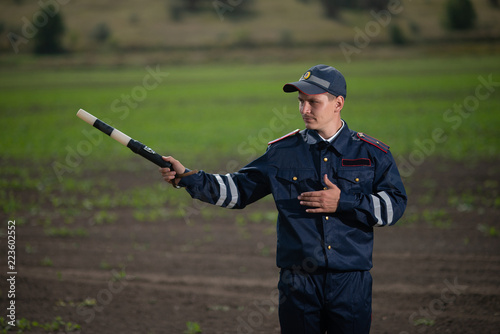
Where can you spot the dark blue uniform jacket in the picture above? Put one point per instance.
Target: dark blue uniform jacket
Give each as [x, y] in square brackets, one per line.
[372, 194]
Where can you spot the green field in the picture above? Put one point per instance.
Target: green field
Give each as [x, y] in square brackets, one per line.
[86, 204]
[202, 114]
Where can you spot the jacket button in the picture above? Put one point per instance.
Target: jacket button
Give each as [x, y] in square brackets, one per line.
[356, 179]
[294, 178]
[327, 217]
[329, 247]
[325, 159]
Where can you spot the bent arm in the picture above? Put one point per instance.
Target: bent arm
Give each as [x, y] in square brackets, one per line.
[385, 205]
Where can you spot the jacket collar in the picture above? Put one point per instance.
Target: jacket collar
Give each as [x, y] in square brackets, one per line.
[339, 144]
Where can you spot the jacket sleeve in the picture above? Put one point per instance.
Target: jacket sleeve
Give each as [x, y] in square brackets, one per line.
[233, 190]
[385, 205]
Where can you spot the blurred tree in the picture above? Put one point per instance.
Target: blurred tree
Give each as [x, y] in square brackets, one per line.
[396, 34]
[48, 39]
[460, 14]
[101, 32]
[333, 7]
[236, 8]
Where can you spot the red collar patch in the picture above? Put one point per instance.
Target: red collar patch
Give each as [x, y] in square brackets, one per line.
[283, 137]
[373, 141]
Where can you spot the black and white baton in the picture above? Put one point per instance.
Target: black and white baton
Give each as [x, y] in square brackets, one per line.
[134, 145]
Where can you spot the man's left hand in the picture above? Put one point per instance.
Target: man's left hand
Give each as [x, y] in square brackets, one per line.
[323, 200]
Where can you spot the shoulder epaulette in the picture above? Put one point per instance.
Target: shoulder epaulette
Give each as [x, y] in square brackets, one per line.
[283, 137]
[373, 141]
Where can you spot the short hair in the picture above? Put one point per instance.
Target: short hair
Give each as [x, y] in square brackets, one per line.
[330, 96]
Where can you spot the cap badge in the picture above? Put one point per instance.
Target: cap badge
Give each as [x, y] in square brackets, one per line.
[307, 75]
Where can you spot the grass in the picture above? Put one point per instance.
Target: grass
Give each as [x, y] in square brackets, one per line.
[23, 325]
[205, 114]
[218, 118]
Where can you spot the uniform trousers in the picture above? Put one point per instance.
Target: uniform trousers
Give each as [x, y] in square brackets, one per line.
[325, 301]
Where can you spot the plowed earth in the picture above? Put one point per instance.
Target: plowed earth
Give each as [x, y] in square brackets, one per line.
[437, 271]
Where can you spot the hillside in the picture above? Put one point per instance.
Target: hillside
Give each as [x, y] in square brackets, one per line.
[151, 25]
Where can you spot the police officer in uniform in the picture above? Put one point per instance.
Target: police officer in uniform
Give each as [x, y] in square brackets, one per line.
[331, 186]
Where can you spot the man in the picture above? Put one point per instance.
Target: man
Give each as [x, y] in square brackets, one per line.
[331, 186]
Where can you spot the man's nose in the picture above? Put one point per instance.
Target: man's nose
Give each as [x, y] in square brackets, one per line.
[306, 108]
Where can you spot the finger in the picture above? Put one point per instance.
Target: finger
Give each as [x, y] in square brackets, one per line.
[315, 210]
[315, 204]
[328, 183]
[311, 194]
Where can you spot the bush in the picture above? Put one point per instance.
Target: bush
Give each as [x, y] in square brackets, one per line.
[101, 32]
[396, 34]
[332, 8]
[48, 39]
[460, 14]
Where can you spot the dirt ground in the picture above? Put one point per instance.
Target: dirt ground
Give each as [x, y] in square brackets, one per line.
[438, 271]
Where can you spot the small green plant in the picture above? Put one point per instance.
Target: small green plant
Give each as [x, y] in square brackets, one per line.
[65, 232]
[438, 218]
[104, 265]
[223, 308]
[118, 276]
[47, 262]
[24, 325]
[105, 217]
[9, 202]
[89, 302]
[192, 328]
[489, 231]
[29, 249]
[424, 321]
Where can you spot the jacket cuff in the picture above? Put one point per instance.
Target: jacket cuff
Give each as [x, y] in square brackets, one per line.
[182, 182]
[347, 202]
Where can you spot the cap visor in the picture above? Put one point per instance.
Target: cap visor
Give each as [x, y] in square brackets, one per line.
[304, 87]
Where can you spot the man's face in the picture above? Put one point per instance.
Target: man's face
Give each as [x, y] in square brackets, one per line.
[319, 112]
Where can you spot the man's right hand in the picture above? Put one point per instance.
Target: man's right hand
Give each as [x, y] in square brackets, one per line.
[170, 175]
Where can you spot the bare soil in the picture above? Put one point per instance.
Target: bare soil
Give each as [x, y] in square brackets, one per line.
[437, 271]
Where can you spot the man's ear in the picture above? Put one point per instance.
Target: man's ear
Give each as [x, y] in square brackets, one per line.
[339, 102]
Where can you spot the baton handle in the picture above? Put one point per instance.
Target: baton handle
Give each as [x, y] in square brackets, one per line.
[132, 144]
[146, 152]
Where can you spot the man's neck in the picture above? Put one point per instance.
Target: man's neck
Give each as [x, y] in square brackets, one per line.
[331, 134]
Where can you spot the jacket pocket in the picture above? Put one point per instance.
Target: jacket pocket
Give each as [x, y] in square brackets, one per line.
[290, 183]
[356, 179]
